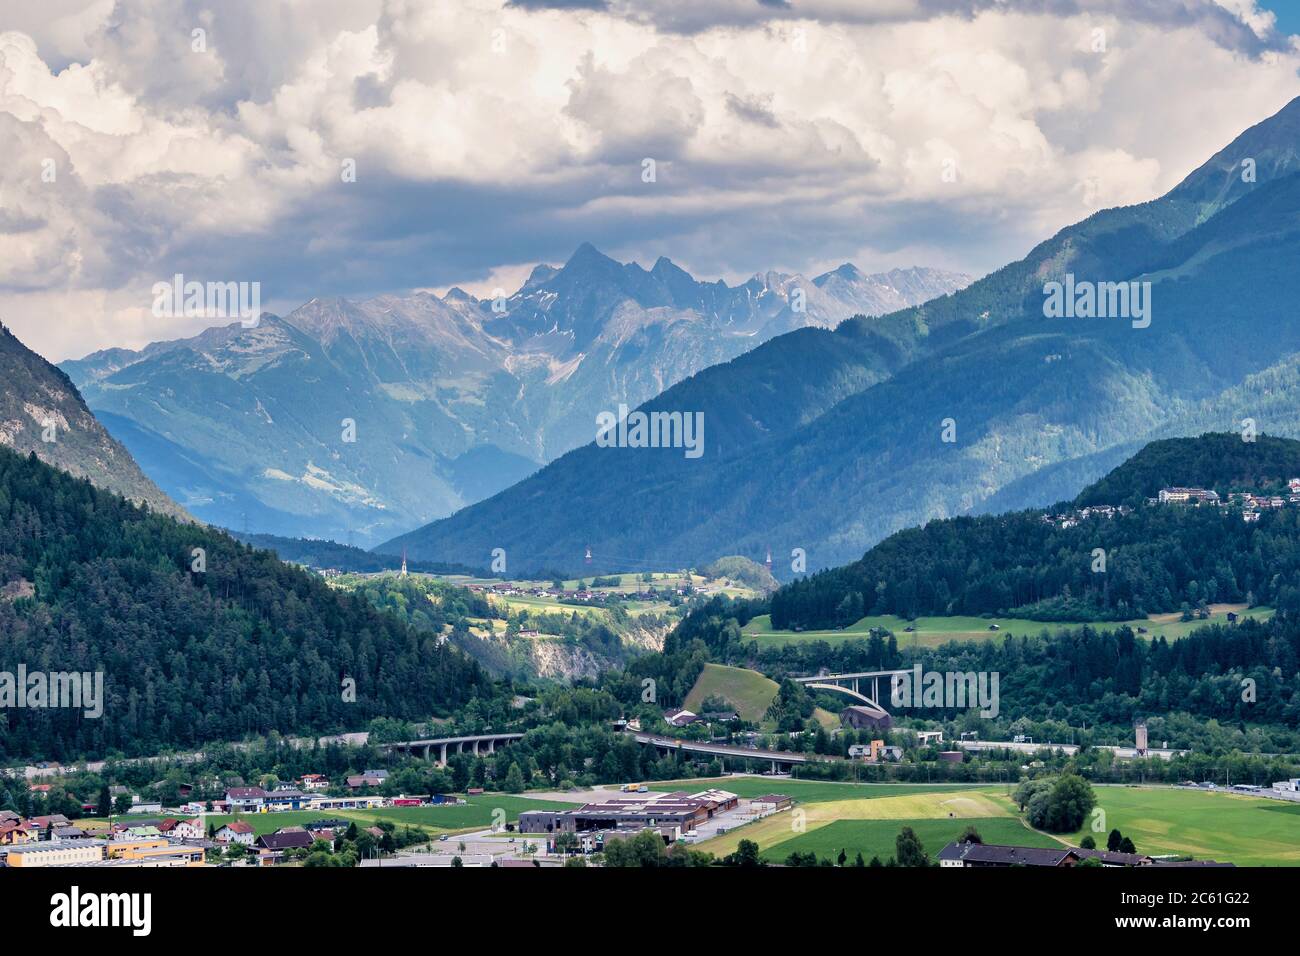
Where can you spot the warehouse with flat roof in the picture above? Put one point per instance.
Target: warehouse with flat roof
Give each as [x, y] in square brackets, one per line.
[676, 811]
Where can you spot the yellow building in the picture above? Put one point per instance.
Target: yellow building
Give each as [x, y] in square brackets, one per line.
[70, 853]
[124, 849]
[166, 855]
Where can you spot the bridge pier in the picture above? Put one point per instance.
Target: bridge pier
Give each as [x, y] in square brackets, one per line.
[440, 748]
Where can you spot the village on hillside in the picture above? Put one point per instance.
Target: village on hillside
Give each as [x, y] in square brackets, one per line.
[1252, 504]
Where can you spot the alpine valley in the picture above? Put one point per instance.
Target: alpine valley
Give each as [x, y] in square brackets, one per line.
[822, 442]
[449, 399]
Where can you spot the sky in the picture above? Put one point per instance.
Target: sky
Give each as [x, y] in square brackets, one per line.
[353, 147]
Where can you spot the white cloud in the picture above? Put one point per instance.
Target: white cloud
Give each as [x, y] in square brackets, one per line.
[488, 136]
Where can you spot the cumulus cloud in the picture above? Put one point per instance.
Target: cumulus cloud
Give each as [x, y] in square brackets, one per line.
[357, 146]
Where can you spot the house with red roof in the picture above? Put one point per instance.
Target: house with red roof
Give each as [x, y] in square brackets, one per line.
[236, 831]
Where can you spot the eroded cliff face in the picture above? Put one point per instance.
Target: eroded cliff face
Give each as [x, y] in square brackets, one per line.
[559, 660]
[41, 411]
[553, 658]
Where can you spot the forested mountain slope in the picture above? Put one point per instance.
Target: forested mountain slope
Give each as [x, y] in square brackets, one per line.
[828, 442]
[246, 644]
[1044, 564]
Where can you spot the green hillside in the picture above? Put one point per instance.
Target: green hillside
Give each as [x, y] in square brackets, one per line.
[1221, 462]
[1044, 566]
[748, 691]
[198, 637]
[1103, 675]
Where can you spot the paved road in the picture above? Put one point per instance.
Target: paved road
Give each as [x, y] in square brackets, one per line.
[1287, 795]
[730, 750]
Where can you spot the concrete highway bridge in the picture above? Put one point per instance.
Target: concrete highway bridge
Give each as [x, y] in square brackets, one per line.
[780, 759]
[1122, 753]
[425, 748]
[863, 687]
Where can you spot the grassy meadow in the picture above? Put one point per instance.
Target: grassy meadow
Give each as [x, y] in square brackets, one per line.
[934, 631]
[1233, 828]
[889, 807]
[750, 692]
[475, 814]
[866, 819]
[878, 837]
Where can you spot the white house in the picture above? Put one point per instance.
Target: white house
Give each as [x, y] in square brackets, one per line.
[189, 829]
[677, 717]
[245, 799]
[236, 832]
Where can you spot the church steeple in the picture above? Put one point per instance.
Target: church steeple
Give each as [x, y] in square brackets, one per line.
[403, 574]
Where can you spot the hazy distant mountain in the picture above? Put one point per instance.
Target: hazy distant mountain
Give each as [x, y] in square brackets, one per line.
[453, 398]
[829, 441]
[38, 402]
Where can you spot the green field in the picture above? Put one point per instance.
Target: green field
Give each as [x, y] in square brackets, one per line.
[933, 631]
[1248, 831]
[889, 807]
[477, 813]
[877, 837]
[813, 791]
[1245, 830]
[548, 605]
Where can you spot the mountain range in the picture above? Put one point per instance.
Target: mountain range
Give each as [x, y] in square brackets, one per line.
[42, 413]
[821, 442]
[375, 416]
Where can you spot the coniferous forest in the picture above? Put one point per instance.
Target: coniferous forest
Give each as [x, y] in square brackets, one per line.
[1156, 559]
[248, 644]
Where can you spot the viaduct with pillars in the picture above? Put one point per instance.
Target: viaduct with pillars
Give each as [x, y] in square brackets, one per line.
[439, 747]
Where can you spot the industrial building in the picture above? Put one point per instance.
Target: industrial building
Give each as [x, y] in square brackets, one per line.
[673, 813]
